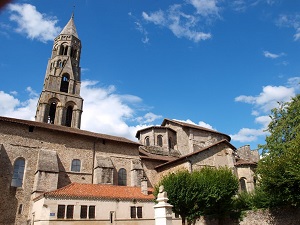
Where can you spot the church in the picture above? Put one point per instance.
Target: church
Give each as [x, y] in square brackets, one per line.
[52, 172]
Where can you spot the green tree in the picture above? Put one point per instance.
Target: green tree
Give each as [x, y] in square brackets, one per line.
[279, 169]
[208, 191]
[177, 186]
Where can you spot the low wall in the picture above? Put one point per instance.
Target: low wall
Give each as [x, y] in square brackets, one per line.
[278, 216]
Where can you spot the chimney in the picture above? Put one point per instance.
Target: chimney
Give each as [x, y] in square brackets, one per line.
[144, 186]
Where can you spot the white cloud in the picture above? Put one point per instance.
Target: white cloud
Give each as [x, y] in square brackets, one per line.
[268, 54]
[263, 120]
[247, 135]
[12, 107]
[201, 123]
[181, 24]
[104, 111]
[148, 118]
[269, 97]
[206, 125]
[107, 112]
[263, 103]
[290, 21]
[205, 7]
[32, 23]
[139, 27]
[157, 17]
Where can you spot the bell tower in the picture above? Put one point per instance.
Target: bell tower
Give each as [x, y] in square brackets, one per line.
[60, 101]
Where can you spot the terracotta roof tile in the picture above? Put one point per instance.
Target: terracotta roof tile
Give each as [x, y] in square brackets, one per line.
[99, 191]
[69, 130]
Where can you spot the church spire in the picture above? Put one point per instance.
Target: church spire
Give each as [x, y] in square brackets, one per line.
[60, 101]
[70, 28]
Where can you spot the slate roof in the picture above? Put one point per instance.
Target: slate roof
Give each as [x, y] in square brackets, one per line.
[69, 130]
[185, 157]
[98, 192]
[70, 28]
[194, 126]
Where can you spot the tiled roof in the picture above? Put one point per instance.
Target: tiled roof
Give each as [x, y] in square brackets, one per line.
[99, 191]
[194, 126]
[147, 155]
[70, 28]
[241, 162]
[185, 157]
[70, 130]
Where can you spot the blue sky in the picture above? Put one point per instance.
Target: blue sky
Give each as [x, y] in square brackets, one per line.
[217, 63]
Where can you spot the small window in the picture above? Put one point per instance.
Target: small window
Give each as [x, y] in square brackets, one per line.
[92, 210]
[136, 212]
[243, 184]
[70, 211]
[132, 212]
[20, 209]
[69, 116]
[52, 112]
[170, 143]
[139, 212]
[159, 141]
[122, 177]
[64, 85]
[17, 179]
[147, 141]
[83, 212]
[75, 165]
[61, 211]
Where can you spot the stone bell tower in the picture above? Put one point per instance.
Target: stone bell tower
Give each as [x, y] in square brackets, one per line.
[60, 101]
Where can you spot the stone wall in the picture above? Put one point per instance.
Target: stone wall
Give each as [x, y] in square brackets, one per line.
[279, 216]
[18, 141]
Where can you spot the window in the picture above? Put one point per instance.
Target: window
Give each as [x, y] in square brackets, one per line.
[92, 210]
[147, 141]
[122, 177]
[52, 112]
[75, 165]
[159, 140]
[64, 85]
[70, 211]
[20, 209]
[170, 143]
[17, 179]
[83, 212]
[136, 212]
[139, 212]
[61, 211]
[243, 184]
[69, 116]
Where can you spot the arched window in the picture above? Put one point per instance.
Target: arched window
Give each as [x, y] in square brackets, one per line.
[122, 177]
[243, 184]
[64, 85]
[52, 112]
[159, 141]
[69, 116]
[75, 167]
[170, 143]
[17, 179]
[61, 49]
[65, 50]
[147, 141]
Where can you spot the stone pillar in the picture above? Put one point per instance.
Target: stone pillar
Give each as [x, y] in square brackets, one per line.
[163, 210]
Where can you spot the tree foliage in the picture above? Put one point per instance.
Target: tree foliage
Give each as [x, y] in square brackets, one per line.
[208, 191]
[279, 169]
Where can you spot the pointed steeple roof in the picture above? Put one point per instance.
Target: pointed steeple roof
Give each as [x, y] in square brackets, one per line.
[70, 28]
